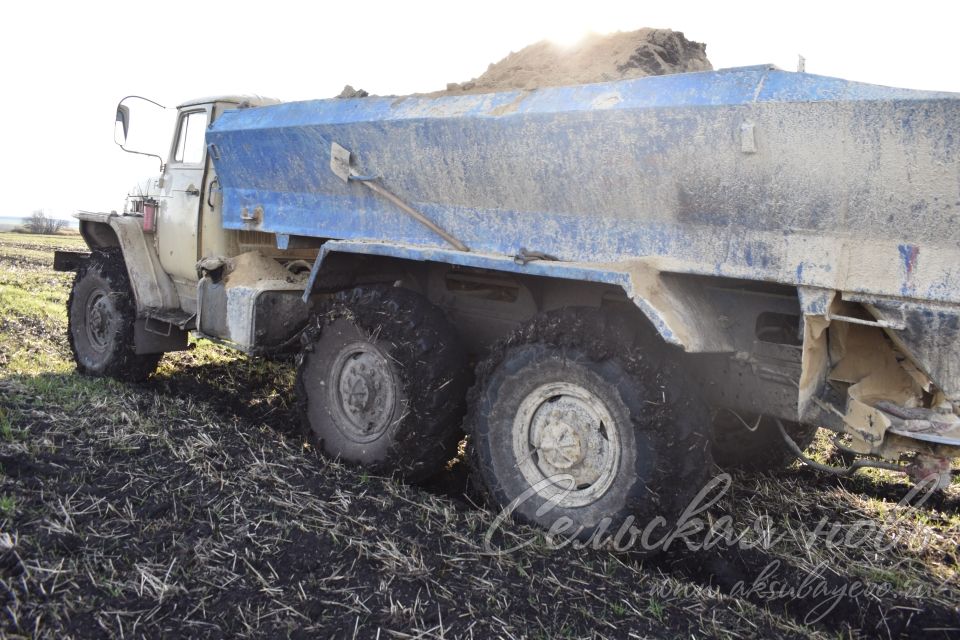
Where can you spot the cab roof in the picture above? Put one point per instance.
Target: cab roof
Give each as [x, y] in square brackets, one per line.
[252, 100]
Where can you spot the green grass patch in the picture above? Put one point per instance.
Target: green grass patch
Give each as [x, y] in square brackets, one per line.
[70, 391]
[8, 504]
[32, 254]
[49, 284]
[6, 426]
[15, 301]
[655, 609]
[71, 241]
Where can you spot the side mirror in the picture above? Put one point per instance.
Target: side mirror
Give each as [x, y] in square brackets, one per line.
[151, 135]
[123, 118]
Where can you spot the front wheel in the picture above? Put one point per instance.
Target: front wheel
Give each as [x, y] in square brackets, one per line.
[101, 316]
[572, 419]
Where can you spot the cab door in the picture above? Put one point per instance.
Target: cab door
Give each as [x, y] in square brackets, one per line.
[183, 180]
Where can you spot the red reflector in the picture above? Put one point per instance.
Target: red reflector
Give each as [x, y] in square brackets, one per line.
[149, 217]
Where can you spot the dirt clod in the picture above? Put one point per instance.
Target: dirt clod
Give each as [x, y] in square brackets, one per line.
[596, 58]
[350, 92]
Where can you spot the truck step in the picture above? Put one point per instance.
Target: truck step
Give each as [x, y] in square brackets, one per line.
[176, 317]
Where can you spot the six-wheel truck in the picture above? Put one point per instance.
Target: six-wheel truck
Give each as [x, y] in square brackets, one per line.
[603, 286]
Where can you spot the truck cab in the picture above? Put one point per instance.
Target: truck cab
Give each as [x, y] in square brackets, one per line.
[184, 197]
[171, 221]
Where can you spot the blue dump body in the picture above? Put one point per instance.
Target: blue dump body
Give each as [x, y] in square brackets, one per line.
[748, 173]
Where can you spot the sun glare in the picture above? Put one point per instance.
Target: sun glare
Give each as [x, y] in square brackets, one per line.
[567, 35]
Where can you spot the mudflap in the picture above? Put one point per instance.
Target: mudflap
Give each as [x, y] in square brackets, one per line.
[69, 260]
[152, 335]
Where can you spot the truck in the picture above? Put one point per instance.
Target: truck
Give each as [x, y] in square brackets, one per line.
[604, 287]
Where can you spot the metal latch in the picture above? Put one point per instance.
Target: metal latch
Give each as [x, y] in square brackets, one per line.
[249, 217]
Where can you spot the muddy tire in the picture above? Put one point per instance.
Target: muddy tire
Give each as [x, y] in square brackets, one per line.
[382, 382]
[757, 447]
[101, 315]
[576, 393]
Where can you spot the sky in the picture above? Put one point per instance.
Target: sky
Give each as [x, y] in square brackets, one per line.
[65, 65]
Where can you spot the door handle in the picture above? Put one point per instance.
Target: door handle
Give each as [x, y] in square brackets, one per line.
[192, 191]
[214, 186]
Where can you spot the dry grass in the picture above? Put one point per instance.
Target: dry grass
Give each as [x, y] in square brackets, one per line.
[189, 507]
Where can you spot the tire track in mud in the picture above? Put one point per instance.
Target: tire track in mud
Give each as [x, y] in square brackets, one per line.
[205, 384]
[233, 391]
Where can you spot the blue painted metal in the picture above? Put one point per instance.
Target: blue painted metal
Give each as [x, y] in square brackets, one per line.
[842, 185]
[608, 172]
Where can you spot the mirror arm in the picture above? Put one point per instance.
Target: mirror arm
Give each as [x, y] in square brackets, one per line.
[141, 98]
[143, 153]
[126, 124]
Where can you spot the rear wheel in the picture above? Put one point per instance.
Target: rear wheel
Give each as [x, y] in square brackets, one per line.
[382, 382]
[101, 316]
[753, 443]
[571, 418]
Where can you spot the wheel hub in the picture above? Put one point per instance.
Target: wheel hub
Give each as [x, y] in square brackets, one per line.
[99, 311]
[565, 431]
[366, 391]
[560, 445]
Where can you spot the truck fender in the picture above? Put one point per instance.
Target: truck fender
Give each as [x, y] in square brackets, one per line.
[152, 287]
[677, 310]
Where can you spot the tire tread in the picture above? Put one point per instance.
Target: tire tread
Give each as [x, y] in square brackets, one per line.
[124, 363]
[422, 340]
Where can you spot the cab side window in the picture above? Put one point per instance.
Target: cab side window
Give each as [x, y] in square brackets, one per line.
[190, 139]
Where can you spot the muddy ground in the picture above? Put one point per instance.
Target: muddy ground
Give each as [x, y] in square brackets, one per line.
[190, 506]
